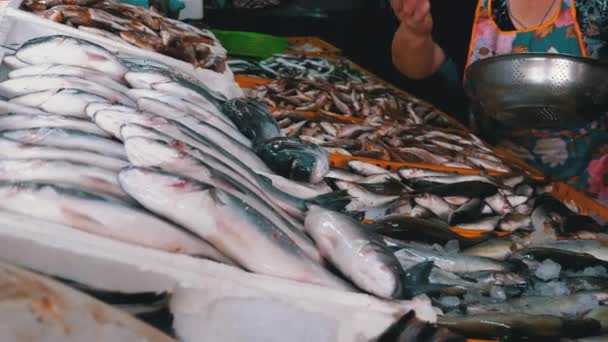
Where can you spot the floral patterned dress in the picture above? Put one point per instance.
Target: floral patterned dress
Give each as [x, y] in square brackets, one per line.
[577, 154]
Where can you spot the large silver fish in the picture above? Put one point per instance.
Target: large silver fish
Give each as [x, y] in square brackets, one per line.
[363, 258]
[70, 102]
[149, 153]
[10, 149]
[68, 70]
[7, 107]
[60, 172]
[238, 230]
[103, 216]
[24, 121]
[160, 108]
[71, 51]
[14, 87]
[68, 138]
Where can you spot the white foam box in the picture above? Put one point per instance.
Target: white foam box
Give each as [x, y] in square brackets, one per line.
[18, 26]
[210, 301]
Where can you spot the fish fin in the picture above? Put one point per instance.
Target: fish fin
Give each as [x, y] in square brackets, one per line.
[388, 188]
[357, 215]
[416, 280]
[216, 197]
[337, 200]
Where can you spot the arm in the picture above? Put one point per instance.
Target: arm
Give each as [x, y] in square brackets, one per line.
[414, 52]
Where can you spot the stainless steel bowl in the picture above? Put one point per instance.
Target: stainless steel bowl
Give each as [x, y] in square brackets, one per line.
[534, 90]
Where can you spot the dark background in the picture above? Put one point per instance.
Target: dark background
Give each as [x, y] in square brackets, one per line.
[363, 30]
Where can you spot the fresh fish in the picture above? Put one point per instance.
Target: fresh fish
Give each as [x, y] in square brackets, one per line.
[568, 259]
[497, 248]
[493, 278]
[590, 247]
[10, 149]
[70, 102]
[23, 121]
[294, 159]
[160, 108]
[359, 255]
[435, 204]
[363, 199]
[252, 118]
[515, 221]
[344, 175]
[584, 283]
[292, 205]
[82, 176]
[238, 230]
[179, 103]
[7, 107]
[441, 277]
[550, 213]
[409, 328]
[402, 206]
[422, 230]
[563, 306]
[366, 169]
[515, 326]
[68, 138]
[12, 62]
[164, 81]
[465, 189]
[102, 216]
[94, 107]
[451, 262]
[202, 129]
[456, 200]
[14, 87]
[468, 212]
[145, 152]
[434, 180]
[499, 204]
[516, 200]
[408, 173]
[297, 189]
[488, 164]
[487, 224]
[69, 70]
[71, 51]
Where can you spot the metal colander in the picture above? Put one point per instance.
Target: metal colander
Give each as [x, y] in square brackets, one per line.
[538, 90]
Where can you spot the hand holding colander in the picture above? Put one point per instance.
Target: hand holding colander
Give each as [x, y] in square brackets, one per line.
[534, 90]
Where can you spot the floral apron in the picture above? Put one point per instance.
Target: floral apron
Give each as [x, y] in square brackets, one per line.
[577, 154]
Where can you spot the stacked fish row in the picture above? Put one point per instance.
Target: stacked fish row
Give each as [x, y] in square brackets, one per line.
[392, 141]
[373, 102]
[56, 164]
[136, 26]
[547, 279]
[298, 67]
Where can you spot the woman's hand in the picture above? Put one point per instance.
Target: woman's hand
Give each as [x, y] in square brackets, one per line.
[414, 52]
[414, 15]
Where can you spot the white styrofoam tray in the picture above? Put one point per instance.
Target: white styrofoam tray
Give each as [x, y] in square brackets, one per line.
[18, 26]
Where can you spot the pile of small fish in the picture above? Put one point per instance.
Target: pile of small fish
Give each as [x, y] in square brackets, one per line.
[137, 26]
[372, 101]
[501, 281]
[298, 67]
[391, 141]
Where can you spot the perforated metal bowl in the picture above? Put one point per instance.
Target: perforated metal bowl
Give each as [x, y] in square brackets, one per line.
[538, 90]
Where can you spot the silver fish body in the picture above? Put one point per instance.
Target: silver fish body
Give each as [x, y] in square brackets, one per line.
[238, 230]
[71, 51]
[82, 176]
[68, 138]
[23, 121]
[10, 149]
[99, 215]
[69, 102]
[7, 107]
[26, 85]
[362, 258]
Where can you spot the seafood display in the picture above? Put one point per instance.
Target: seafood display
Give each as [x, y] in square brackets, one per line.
[136, 26]
[298, 67]
[177, 189]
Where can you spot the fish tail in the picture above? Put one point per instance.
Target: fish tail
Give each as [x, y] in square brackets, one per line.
[337, 200]
[416, 280]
